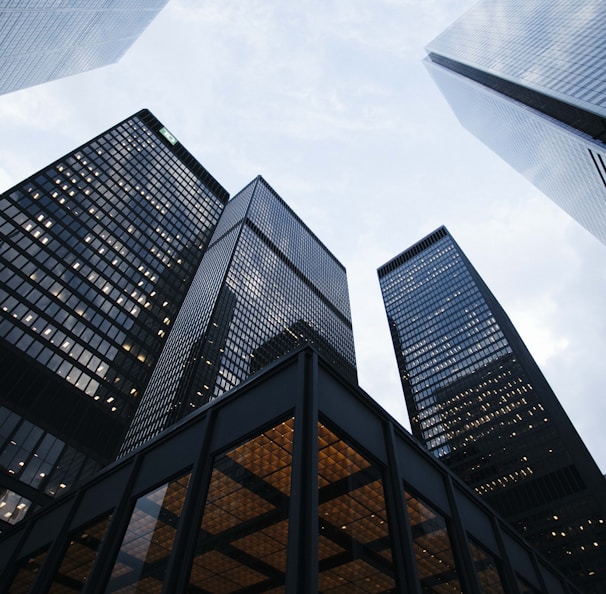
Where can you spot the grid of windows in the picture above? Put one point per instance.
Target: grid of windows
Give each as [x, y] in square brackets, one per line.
[527, 79]
[98, 252]
[95, 250]
[265, 285]
[477, 400]
[554, 47]
[41, 40]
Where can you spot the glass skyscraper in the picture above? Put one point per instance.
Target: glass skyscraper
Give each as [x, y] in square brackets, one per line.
[528, 79]
[98, 251]
[265, 285]
[478, 401]
[42, 40]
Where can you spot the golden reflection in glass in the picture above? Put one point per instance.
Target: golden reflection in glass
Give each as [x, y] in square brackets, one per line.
[243, 538]
[27, 574]
[78, 560]
[148, 541]
[435, 561]
[354, 547]
[486, 568]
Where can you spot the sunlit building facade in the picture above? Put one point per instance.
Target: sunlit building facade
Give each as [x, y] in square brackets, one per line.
[42, 40]
[478, 401]
[297, 482]
[98, 250]
[266, 284]
[528, 79]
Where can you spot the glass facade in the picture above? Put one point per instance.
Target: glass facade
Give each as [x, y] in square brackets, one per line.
[148, 541]
[266, 284]
[433, 551]
[42, 40]
[79, 557]
[527, 79]
[98, 250]
[477, 400]
[298, 482]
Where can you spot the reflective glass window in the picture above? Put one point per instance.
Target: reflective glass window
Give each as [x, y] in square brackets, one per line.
[243, 537]
[354, 546]
[487, 570]
[433, 551]
[148, 541]
[525, 587]
[27, 573]
[13, 506]
[78, 559]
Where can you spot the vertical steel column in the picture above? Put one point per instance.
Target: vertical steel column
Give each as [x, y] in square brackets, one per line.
[403, 553]
[507, 572]
[469, 580]
[111, 542]
[181, 559]
[302, 562]
[57, 549]
[537, 570]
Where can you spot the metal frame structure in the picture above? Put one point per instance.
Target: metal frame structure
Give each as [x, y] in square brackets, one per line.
[295, 481]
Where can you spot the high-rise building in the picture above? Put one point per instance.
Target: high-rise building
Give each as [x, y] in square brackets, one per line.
[528, 79]
[98, 251]
[265, 285]
[42, 40]
[478, 401]
[297, 482]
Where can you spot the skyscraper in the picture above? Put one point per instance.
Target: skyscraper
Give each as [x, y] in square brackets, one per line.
[42, 40]
[479, 402]
[265, 285]
[528, 79]
[98, 250]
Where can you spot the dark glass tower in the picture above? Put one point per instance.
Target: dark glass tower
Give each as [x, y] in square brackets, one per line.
[479, 402]
[42, 40]
[528, 79]
[98, 250]
[265, 285]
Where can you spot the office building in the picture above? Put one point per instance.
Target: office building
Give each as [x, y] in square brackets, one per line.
[297, 482]
[478, 401]
[265, 285]
[98, 250]
[528, 79]
[42, 40]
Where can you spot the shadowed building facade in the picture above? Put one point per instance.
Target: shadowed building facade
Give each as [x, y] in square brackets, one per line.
[42, 40]
[528, 79]
[478, 401]
[98, 250]
[265, 285]
[296, 481]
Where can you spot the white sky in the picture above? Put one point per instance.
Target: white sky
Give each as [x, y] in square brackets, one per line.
[329, 101]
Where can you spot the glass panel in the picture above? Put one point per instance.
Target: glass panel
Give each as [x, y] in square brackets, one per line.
[487, 570]
[354, 547]
[435, 561]
[27, 574]
[78, 560]
[525, 587]
[243, 537]
[148, 541]
[13, 506]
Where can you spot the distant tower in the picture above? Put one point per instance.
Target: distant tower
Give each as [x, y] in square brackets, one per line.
[529, 80]
[265, 285]
[42, 41]
[97, 253]
[478, 401]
